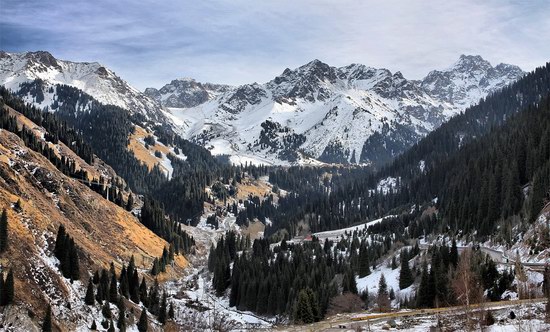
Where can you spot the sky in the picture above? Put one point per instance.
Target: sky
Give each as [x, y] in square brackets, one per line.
[149, 43]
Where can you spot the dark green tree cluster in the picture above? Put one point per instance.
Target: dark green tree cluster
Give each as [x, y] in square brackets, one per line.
[67, 252]
[159, 264]
[110, 288]
[154, 217]
[434, 289]
[57, 129]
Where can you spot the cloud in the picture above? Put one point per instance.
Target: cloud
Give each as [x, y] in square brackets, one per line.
[150, 42]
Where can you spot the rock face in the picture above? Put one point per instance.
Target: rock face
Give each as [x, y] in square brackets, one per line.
[351, 114]
[185, 92]
[468, 80]
[91, 77]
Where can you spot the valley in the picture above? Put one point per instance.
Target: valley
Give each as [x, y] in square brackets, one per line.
[326, 198]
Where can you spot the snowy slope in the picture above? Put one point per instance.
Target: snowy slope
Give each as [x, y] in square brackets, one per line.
[351, 114]
[92, 78]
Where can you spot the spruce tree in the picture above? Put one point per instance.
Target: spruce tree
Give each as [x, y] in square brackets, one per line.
[121, 321]
[74, 262]
[163, 308]
[47, 323]
[106, 310]
[143, 323]
[405, 275]
[304, 312]
[113, 291]
[171, 313]
[454, 254]
[143, 296]
[89, 299]
[4, 231]
[9, 289]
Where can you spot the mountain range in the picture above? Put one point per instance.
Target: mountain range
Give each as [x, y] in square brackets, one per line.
[313, 114]
[351, 114]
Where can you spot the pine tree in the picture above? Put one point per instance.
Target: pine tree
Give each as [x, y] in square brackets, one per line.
[405, 275]
[113, 291]
[106, 310]
[364, 265]
[9, 291]
[47, 323]
[454, 254]
[130, 203]
[3, 231]
[163, 308]
[143, 323]
[143, 296]
[134, 287]
[74, 262]
[171, 313]
[89, 299]
[121, 321]
[59, 250]
[304, 312]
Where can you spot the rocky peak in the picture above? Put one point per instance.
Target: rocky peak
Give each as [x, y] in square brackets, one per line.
[469, 79]
[41, 58]
[185, 92]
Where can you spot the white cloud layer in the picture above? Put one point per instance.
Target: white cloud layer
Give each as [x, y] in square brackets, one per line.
[151, 42]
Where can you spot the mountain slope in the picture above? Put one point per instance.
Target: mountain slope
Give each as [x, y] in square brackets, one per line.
[92, 78]
[352, 114]
[47, 198]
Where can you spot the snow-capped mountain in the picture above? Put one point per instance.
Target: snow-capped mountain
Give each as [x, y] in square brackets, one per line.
[318, 112]
[468, 80]
[186, 92]
[90, 77]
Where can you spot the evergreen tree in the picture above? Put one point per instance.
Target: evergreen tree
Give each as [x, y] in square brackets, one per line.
[9, 289]
[364, 265]
[171, 313]
[143, 323]
[93, 327]
[453, 257]
[113, 291]
[47, 323]
[3, 231]
[89, 299]
[304, 312]
[130, 203]
[405, 275]
[121, 321]
[163, 308]
[106, 310]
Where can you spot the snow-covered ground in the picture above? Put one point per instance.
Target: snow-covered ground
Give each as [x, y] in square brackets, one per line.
[335, 234]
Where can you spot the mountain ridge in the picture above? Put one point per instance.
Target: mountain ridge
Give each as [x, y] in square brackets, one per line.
[333, 112]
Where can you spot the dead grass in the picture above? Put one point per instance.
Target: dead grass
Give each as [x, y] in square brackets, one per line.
[103, 231]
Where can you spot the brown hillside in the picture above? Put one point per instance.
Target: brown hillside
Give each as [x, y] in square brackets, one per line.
[103, 231]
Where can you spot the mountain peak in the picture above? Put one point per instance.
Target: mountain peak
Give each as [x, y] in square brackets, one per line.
[471, 62]
[469, 79]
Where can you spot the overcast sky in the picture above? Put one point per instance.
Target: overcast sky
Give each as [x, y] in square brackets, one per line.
[149, 43]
